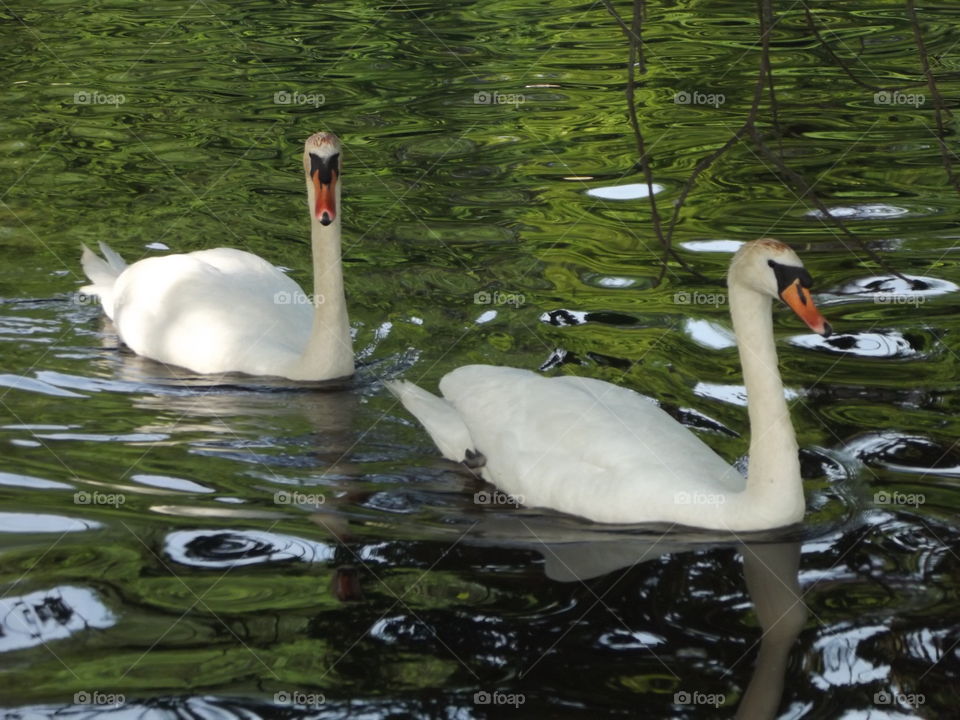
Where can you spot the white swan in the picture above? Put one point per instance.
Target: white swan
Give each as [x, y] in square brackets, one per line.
[226, 310]
[603, 452]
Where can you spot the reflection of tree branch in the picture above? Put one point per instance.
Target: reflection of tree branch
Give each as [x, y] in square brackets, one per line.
[806, 190]
[812, 25]
[766, 14]
[708, 160]
[616, 16]
[938, 108]
[764, 78]
[634, 36]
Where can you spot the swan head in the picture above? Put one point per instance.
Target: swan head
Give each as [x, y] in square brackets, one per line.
[322, 165]
[771, 268]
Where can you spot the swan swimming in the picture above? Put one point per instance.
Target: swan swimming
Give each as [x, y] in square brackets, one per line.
[603, 452]
[227, 310]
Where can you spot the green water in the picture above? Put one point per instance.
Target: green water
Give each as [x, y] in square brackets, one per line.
[147, 561]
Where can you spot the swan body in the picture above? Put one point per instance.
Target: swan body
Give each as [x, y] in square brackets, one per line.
[604, 452]
[227, 310]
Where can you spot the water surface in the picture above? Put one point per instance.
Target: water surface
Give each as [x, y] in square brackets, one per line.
[241, 547]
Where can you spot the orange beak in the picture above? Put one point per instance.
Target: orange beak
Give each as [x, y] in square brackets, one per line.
[325, 209]
[801, 302]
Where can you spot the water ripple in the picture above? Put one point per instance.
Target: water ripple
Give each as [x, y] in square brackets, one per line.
[44, 616]
[890, 344]
[235, 548]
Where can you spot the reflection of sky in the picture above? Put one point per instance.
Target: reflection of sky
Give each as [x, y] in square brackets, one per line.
[45, 615]
[873, 344]
[708, 334]
[615, 282]
[564, 317]
[842, 665]
[232, 548]
[18, 382]
[97, 437]
[887, 289]
[621, 639]
[36, 522]
[32, 482]
[724, 246]
[885, 448]
[171, 483]
[866, 211]
[633, 191]
[733, 394]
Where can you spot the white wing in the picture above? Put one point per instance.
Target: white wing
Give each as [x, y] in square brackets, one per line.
[212, 311]
[583, 446]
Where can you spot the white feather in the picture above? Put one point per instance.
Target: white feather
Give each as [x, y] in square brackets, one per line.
[439, 419]
[212, 311]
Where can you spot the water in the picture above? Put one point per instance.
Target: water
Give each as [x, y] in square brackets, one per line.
[249, 546]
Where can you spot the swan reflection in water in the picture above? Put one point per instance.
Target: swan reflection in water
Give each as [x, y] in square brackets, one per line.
[771, 572]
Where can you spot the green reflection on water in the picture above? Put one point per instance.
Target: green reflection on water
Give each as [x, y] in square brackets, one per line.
[177, 138]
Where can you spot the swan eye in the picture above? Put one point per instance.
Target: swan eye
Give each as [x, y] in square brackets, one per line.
[789, 274]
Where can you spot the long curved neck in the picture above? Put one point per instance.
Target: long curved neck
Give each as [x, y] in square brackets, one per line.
[329, 352]
[774, 487]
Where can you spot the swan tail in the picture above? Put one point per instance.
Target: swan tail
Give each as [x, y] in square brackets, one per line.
[440, 419]
[113, 258]
[102, 273]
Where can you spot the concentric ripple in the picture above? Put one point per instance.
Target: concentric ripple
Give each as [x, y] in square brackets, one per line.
[235, 548]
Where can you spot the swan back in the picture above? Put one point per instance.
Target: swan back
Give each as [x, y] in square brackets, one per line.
[526, 425]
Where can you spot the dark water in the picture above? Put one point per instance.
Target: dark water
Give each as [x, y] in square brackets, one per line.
[251, 548]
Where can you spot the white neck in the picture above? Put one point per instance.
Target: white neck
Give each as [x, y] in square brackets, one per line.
[329, 352]
[774, 488]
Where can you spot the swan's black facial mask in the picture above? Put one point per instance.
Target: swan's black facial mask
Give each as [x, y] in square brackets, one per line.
[793, 287]
[324, 168]
[788, 274]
